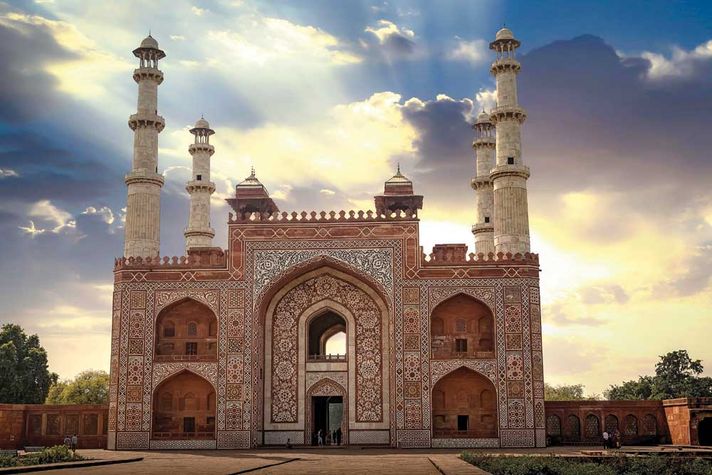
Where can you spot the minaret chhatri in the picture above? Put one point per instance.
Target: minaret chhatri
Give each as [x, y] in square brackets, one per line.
[199, 233]
[484, 145]
[509, 176]
[143, 208]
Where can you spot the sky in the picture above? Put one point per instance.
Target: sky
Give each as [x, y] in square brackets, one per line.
[324, 98]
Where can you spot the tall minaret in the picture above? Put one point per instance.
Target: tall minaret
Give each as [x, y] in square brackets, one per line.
[199, 233]
[143, 208]
[509, 177]
[484, 146]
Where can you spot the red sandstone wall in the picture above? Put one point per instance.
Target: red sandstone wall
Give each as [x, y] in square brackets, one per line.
[46, 425]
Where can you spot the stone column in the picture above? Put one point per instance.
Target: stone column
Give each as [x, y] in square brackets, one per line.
[509, 177]
[484, 146]
[199, 233]
[143, 207]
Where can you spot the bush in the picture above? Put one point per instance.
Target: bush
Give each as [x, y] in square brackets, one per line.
[58, 453]
[8, 462]
[620, 465]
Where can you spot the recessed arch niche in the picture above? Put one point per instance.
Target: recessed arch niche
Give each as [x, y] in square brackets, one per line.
[186, 331]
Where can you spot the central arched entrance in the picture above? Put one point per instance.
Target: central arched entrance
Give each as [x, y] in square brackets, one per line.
[704, 431]
[325, 414]
[326, 324]
[464, 406]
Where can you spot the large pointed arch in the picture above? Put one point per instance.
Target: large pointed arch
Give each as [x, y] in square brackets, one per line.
[186, 330]
[184, 407]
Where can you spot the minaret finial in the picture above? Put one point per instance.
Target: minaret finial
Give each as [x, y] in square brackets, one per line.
[252, 171]
[398, 169]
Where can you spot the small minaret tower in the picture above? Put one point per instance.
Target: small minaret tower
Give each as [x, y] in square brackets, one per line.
[143, 208]
[509, 177]
[484, 146]
[199, 233]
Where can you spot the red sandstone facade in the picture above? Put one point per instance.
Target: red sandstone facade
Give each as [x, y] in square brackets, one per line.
[247, 377]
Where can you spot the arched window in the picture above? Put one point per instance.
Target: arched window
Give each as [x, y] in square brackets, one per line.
[486, 397]
[650, 425]
[169, 329]
[573, 428]
[592, 429]
[189, 402]
[192, 329]
[329, 328]
[631, 425]
[553, 426]
[213, 330]
[611, 423]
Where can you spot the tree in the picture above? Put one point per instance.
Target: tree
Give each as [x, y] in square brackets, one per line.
[24, 375]
[676, 375]
[89, 387]
[571, 392]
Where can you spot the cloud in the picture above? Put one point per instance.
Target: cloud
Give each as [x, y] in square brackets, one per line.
[197, 11]
[32, 230]
[394, 40]
[8, 173]
[47, 211]
[266, 40]
[104, 212]
[177, 37]
[475, 52]
[680, 64]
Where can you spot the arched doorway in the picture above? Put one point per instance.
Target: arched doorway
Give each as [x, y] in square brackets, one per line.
[704, 431]
[464, 405]
[186, 331]
[462, 327]
[326, 414]
[184, 408]
[327, 337]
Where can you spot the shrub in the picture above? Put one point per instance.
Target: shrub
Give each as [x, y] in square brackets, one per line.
[58, 453]
[8, 461]
[620, 465]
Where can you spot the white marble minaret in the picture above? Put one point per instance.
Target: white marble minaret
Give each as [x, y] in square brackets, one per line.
[484, 145]
[199, 233]
[509, 176]
[143, 208]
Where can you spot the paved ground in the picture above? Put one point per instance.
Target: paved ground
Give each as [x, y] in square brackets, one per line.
[311, 461]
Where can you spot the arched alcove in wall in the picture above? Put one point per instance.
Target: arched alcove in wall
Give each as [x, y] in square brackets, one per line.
[186, 331]
[462, 327]
[464, 404]
[184, 408]
[327, 337]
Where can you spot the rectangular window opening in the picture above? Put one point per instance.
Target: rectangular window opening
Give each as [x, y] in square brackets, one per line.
[486, 219]
[191, 348]
[460, 345]
[199, 177]
[463, 422]
[510, 160]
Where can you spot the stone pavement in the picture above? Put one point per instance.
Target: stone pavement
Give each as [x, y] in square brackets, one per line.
[296, 461]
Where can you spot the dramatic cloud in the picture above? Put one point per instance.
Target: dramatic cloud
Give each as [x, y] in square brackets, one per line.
[395, 41]
[475, 52]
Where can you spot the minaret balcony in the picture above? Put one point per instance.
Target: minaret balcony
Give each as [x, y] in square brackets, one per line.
[484, 142]
[480, 228]
[505, 64]
[199, 231]
[141, 175]
[196, 185]
[201, 147]
[501, 113]
[142, 74]
[501, 171]
[480, 182]
[142, 119]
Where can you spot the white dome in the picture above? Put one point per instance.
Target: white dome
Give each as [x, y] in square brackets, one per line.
[504, 34]
[202, 124]
[149, 42]
[484, 117]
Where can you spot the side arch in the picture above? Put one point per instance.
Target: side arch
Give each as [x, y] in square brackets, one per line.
[183, 408]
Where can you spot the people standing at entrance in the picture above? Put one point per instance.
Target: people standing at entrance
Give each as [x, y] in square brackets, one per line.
[617, 439]
[74, 443]
[320, 437]
[68, 441]
[605, 439]
[338, 436]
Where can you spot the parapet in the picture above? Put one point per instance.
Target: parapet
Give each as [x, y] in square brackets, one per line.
[456, 254]
[321, 217]
[197, 258]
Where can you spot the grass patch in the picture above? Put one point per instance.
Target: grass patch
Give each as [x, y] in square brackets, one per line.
[56, 454]
[618, 465]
